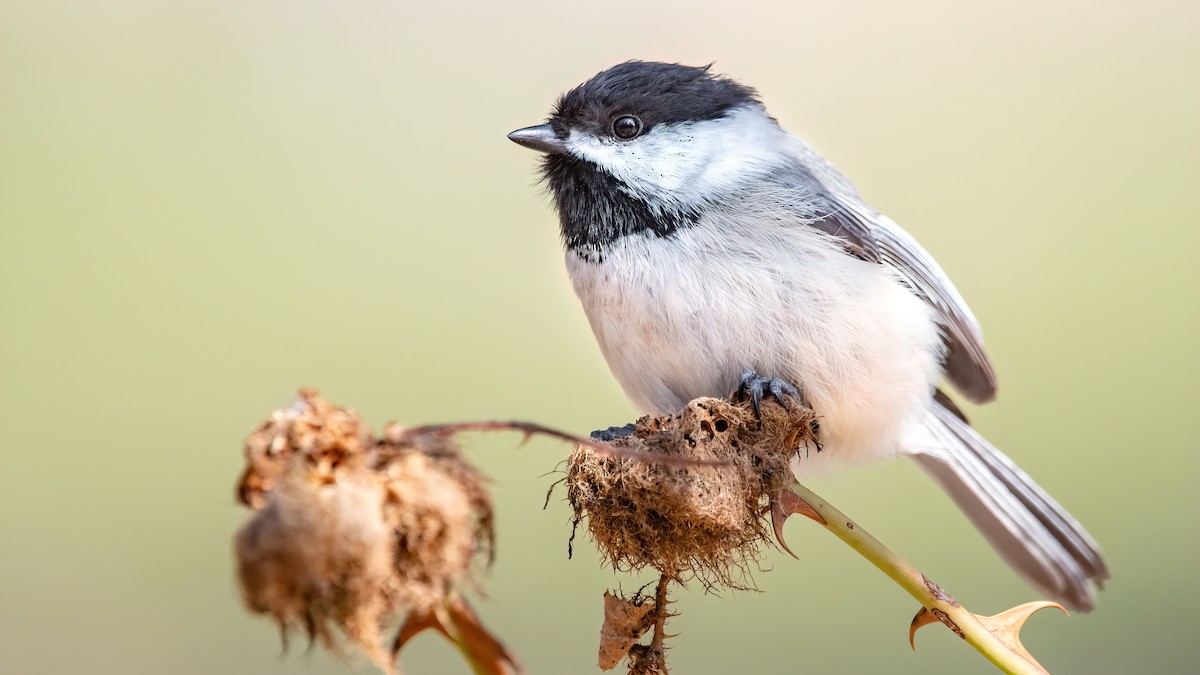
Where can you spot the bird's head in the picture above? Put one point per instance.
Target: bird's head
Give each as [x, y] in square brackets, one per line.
[667, 135]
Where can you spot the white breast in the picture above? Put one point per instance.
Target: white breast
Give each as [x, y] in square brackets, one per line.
[682, 317]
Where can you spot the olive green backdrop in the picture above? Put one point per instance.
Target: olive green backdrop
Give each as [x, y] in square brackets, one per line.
[205, 204]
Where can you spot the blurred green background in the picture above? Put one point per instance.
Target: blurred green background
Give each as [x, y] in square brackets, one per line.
[205, 204]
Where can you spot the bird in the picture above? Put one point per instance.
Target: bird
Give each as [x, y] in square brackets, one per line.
[714, 252]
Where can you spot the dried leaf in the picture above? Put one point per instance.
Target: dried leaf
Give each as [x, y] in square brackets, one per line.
[477, 644]
[625, 622]
[417, 622]
[486, 653]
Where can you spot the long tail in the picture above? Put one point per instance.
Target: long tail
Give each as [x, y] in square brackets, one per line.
[1035, 535]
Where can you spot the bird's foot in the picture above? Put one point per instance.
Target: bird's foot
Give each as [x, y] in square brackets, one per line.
[612, 433]
[753, 386]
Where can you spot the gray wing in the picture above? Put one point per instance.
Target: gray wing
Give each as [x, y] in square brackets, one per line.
[873, 236]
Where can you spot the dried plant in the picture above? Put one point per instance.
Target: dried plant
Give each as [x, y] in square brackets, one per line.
[687, 521]
[711, 523]
[351, 532]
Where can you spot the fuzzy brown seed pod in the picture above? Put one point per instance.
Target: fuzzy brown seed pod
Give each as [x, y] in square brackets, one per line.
[318, 557]
[689, 521]
[350, 532]
[323, 434]
[439, 511]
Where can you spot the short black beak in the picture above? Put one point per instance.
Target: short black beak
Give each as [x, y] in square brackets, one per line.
[541, 138]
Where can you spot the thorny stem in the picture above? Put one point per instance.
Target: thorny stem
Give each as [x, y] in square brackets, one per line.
[530, 428]
[929, 594]
[660, 617]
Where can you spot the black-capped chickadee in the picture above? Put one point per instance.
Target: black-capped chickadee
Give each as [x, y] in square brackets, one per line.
[713, 251]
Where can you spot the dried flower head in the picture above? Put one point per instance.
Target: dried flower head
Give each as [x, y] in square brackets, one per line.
[322, 434]
[439, 511]
[686, 521]
[350, 532]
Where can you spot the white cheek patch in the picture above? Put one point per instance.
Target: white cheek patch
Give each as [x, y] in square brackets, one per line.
[687, 162]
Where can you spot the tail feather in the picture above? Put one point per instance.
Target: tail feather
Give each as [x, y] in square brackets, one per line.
[1029, 529]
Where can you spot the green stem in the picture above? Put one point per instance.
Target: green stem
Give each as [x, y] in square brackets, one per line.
[918, 585]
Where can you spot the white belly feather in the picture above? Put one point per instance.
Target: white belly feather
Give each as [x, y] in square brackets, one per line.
[684, 317]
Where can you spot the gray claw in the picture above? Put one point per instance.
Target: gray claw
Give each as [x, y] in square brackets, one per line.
[752, 386]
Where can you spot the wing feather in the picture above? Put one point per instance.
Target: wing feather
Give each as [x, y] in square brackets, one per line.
[872, 236]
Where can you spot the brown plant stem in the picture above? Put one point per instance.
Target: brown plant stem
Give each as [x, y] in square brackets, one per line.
[530, 428]
[660, 618]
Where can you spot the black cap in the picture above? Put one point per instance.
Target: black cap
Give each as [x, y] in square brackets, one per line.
[657, 93]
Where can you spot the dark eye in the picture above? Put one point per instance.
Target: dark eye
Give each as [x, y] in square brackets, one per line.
[627, 126]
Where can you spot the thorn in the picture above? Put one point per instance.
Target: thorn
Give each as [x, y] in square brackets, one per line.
[794, 504]
[923, 618]
[1006, 626]
[778, 518]
[785, 505]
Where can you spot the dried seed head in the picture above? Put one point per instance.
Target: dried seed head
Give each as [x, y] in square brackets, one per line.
[324, 435]
[440, 512]
[705, 522]
[350, 532]
[318, 556]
